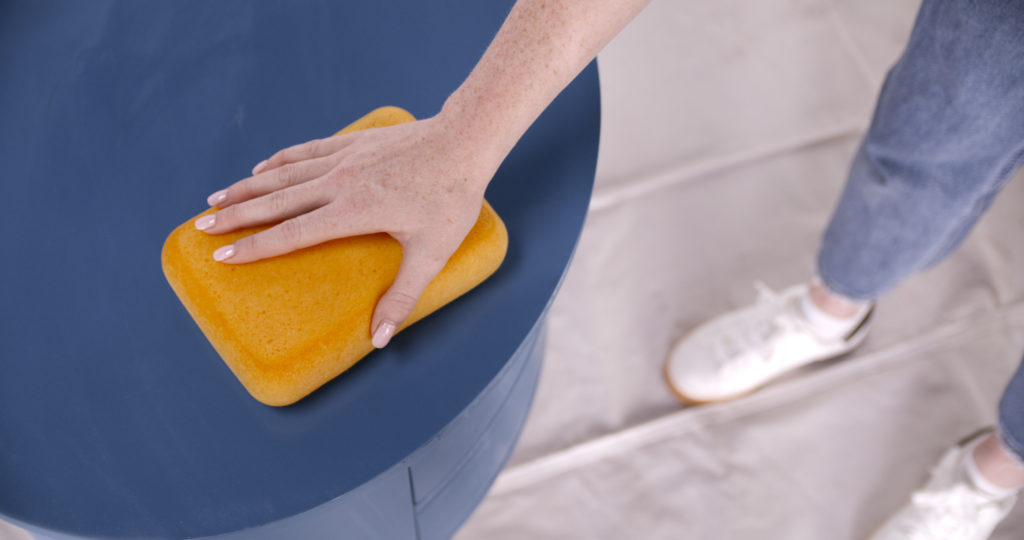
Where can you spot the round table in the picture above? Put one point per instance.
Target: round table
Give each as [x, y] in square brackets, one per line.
[117, 418]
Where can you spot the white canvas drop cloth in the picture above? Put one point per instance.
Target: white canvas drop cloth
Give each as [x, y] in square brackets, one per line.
[728, 126]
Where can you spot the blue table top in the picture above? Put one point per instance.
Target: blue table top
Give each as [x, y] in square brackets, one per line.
[117, 418]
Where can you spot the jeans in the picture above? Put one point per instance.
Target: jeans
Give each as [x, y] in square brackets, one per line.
[947, 133]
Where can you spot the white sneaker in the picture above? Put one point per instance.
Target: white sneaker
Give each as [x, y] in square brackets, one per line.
[741, 351]
[949, 507]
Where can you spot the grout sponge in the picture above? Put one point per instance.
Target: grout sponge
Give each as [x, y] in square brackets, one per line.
[288, 324]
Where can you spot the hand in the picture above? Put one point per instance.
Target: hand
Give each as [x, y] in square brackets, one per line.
[418, 182]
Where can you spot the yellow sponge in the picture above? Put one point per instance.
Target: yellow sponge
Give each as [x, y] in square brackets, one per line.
[289, 324]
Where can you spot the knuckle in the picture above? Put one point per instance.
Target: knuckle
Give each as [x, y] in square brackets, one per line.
[292, 231]
[403, 300]
[331, 219]
[238, 191]
[279, 202]
[227, 218]
[281, 158]
[312, 148]
[340, 172]
[277, 158]
[286, 176]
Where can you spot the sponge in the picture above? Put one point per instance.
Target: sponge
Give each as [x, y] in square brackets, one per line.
[288, 324]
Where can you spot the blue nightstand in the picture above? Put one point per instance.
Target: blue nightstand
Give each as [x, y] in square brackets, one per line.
[117, 418]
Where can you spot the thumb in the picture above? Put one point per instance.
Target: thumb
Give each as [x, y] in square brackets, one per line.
[417, 270]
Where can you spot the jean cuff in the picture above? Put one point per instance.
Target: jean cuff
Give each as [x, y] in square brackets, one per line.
[839, 290]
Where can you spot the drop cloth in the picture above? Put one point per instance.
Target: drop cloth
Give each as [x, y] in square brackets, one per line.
[727, 131]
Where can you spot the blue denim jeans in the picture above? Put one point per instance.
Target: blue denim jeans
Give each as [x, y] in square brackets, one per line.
[947, 133]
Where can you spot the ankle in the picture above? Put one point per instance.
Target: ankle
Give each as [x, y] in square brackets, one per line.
[828, 326]
[834, 304]
[993, 468]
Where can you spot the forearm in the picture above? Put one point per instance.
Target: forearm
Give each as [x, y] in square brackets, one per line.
[540, 48]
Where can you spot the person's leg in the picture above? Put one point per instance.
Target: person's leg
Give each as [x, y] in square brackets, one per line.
[947, 133]
[1001, 460]
[974, 486]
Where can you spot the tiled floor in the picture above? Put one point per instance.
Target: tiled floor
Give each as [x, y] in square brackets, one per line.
[727, 131]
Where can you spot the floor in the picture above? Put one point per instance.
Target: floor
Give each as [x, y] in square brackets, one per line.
[727, 130]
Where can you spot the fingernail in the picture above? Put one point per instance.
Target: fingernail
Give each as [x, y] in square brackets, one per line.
[217, 198]
[205, 222]
[382, 336]
[224, 252]
[259, 167]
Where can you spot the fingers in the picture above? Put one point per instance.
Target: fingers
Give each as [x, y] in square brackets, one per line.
[306, 230]
[281, 204]
[270, 181]
[416, 272]
[300, 152]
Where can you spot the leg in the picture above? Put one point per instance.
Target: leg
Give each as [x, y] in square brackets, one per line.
[997, 464]
[1011, 426]
[947, 133]
[974, 486]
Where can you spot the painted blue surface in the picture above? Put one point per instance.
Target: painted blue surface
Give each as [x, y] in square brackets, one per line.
[117, 418]
[431, 493]
[440, 511]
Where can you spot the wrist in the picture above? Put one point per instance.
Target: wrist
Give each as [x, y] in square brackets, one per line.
[476, 136]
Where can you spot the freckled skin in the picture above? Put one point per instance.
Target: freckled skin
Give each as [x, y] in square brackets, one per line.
[423, 182]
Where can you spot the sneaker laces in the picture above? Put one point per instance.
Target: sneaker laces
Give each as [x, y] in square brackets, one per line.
[953, 512]
[772, 317]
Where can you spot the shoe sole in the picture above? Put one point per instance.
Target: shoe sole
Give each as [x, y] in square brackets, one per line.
[856, 338]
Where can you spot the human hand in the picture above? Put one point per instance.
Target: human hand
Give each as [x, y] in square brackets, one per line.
[419, 182]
